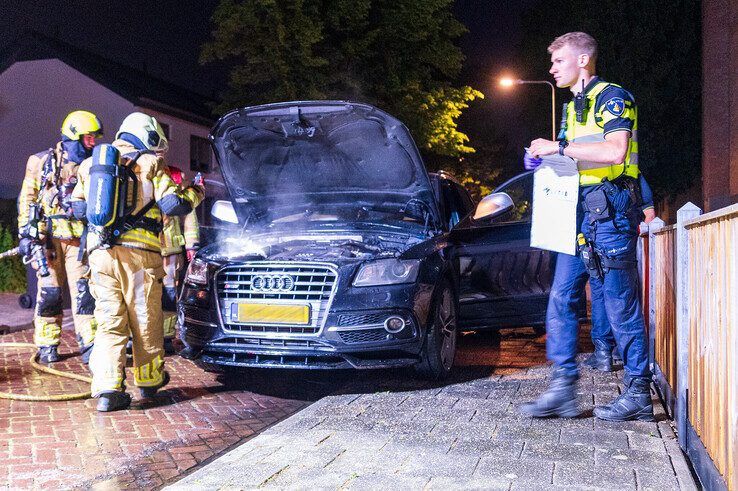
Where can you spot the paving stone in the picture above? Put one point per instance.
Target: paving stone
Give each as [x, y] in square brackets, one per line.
[650, 442]
[497, 469]
[511, 449]
[594, 438]
[526, 433]
[582, 474]
[372, 482]
[636, 459]
[446, 483]
[558, 452]
[656, 480]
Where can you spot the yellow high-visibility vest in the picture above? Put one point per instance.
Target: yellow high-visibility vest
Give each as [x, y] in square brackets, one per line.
[614, 106]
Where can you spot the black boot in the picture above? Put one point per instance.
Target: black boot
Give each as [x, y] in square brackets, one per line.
[616, 358]
[113, 401]
[559, 400]
[633, 404]
[601, 359]
[147, 392]
[169, 346]
[48, 354]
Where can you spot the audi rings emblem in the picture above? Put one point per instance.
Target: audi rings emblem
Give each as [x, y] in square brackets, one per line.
[272, 283]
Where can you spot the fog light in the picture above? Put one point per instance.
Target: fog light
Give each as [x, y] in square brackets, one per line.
[394, 324]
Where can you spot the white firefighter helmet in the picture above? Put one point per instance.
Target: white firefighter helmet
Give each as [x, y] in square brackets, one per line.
[147, 129]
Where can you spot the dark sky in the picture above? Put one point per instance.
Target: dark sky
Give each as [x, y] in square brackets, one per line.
[164, 37]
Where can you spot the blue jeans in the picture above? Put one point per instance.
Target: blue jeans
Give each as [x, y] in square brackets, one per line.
[615, 239]
[600, 324]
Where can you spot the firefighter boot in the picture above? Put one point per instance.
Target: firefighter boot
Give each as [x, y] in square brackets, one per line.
[147, 392]
[601, 359]
[113, 400]
[48, 354]
[85, 352]
[633, 404]
[559, 400]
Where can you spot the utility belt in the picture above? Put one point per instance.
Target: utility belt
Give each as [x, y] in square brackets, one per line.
[599, 205]
[598, 264]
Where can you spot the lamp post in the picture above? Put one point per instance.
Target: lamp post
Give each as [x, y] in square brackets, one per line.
[509, 82]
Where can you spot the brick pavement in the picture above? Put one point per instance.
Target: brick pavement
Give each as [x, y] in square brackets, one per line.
[387, 430]
[61, 445]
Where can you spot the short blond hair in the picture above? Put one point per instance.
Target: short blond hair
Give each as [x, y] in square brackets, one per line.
[581, 41]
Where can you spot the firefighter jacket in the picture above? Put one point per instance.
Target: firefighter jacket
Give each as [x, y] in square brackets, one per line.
[50, 179]
[178, 232]
[154, 183]
[608, 108]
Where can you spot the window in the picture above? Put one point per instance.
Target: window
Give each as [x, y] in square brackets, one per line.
[458, 204]
[520, 189]
[200, 154]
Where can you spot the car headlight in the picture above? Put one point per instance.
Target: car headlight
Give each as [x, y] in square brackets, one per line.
[197, 272]
[387, 272]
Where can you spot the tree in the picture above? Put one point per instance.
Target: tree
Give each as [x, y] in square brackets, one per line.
[396, 54]
[653, 50]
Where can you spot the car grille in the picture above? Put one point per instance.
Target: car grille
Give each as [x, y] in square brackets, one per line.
[269, 343]
[312, 284]
[363, 319]
[363, 336]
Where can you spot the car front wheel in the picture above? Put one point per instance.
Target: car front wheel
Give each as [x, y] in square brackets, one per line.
[437, 357]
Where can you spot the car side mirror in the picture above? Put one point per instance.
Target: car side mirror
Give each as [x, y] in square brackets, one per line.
[492, 206]
[223, 210]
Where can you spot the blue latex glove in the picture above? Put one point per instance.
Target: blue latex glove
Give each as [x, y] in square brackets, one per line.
[530, 162]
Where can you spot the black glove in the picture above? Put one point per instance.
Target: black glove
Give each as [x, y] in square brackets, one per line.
[24, 245]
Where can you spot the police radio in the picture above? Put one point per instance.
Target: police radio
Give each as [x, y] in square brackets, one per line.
[580, 105]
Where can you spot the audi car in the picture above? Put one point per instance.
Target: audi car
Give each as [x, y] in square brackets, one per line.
[337, 249]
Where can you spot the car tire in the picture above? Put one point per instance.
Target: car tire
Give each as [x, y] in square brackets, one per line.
[437, 357]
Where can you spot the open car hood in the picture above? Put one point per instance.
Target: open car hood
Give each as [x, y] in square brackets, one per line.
[283, 158]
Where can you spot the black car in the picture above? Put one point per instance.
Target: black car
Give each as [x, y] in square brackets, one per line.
[337, 249]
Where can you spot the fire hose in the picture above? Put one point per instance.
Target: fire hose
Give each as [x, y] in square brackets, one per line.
[51, 371]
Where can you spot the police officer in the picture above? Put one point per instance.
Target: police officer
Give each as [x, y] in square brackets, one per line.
[179, 235]
[127, 277]
[49, 180]
[600, 133]
[605, 350]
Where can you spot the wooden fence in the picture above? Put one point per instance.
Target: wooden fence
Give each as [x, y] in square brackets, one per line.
[693, 329]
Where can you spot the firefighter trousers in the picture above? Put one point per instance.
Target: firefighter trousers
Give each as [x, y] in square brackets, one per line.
[127, 286]
[63, 266]
[172, 266]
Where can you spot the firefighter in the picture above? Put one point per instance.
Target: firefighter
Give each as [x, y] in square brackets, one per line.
[47, 187]
[127, 270]
[179, 236]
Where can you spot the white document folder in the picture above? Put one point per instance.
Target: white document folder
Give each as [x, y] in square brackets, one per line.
[555, 196]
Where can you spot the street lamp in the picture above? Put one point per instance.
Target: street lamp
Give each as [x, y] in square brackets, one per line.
[509, 82]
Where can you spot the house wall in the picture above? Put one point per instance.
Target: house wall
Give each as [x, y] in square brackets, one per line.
[35, 96]
[719, 103]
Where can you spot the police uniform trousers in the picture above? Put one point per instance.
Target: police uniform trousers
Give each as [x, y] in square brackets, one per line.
[173, 264]
[63, 265]
[127, 286]
[615, 239]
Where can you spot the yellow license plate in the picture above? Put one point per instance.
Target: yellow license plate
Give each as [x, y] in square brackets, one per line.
[273, 314]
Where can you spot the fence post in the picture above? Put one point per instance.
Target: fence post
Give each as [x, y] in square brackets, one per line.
[683, 260]
[655, 225]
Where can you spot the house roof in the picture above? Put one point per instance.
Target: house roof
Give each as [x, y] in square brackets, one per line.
[134, 85]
